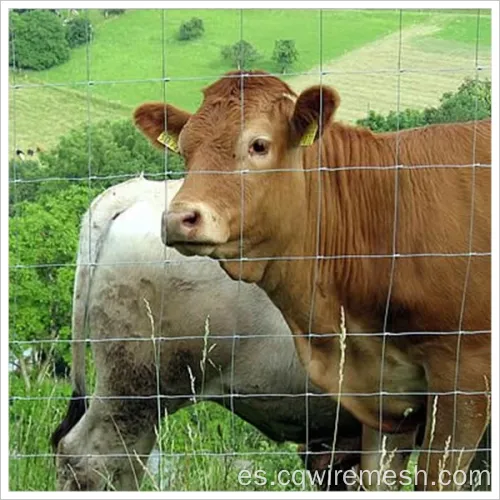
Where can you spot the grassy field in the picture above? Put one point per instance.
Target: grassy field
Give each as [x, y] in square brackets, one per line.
[467, 28]
[232, 444]
[40, 115]
[430, 67]
[130, 47]
[133, 52]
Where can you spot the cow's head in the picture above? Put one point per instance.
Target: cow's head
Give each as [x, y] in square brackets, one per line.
[245, 179]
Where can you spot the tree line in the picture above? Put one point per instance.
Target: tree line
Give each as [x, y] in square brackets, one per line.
[242, 54]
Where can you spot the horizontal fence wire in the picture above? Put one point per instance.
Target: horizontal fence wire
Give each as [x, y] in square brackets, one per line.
[200, 260]
[194, 453]
[162, 175]
[214, 335]
[255, 395]
[172, 79]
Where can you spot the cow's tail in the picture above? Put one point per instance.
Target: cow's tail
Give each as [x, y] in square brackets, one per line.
[77, 404]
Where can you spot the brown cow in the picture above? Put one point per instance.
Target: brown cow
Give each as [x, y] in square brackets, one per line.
[392, 227]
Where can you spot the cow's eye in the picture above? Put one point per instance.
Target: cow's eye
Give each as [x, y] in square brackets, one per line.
[259, 147]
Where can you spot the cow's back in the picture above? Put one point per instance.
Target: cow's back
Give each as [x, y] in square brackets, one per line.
[141, 286]
[444, 216]
[432, 213]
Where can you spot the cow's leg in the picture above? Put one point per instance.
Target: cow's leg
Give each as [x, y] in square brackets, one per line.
[331, 475]
[454, 428]
[392, 455]
[385, 460]
[113, 440]
[108, 448]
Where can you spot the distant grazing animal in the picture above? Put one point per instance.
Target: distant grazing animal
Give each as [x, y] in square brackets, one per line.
[246, 363]
[20, 154]
[392, 228]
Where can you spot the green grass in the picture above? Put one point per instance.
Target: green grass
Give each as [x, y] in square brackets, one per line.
[129, 47]
[466, 29]
[231, 443]
[184, 436]
[31, 423]
[39, 116]
[204, 447]
[127, 54]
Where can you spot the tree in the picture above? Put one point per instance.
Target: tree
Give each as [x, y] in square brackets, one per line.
[471, 101]
[285, 54]
[241, 54]
[29, 172]
[191, 29]
[112, 150]
[43, 238]
[22, 11]
[37, 40]
[79, 31]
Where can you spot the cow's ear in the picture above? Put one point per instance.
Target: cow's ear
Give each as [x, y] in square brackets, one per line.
[161, 123]
[313, 111]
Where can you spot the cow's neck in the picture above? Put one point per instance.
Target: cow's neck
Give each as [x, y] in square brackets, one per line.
[355, 210]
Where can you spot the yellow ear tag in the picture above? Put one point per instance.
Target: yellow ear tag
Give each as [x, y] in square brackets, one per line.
[169, 141]
[310, 134]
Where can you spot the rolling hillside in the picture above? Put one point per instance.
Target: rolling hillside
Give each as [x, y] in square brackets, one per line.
[357, 50]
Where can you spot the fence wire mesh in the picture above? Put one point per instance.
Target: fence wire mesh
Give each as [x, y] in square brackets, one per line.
[170, 333]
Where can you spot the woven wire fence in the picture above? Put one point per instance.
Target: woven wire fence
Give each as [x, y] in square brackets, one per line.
[197, 335]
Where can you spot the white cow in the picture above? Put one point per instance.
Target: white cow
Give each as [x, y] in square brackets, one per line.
[164, 325]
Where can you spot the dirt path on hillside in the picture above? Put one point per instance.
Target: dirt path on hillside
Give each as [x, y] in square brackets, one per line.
[367, 78]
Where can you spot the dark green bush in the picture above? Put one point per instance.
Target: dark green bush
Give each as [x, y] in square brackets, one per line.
[191, 29]
[43, 238]
[285, 54]
[472, 101]
[117, 151]
[113, 12]
[29, 171]
[241, 54]
[37, 40]
[79, 31]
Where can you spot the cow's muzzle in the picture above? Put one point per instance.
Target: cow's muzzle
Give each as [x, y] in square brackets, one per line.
[193, 229]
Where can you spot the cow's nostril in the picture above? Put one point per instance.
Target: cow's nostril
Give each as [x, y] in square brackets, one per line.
[191, 219]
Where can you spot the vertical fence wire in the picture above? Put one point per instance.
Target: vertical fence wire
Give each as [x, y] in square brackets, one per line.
[316, 262]
[470, 242]
[156, 343]
[241, 250]
[89, 262]
[394, 230]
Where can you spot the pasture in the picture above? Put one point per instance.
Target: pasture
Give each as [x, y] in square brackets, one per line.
[200, 448]
[132, 53]
[379, 60]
